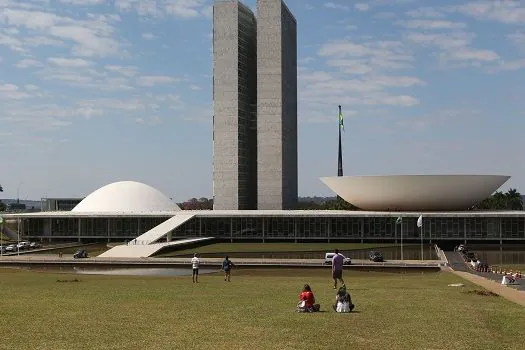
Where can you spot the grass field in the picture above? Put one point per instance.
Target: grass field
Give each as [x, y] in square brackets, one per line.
[255, 311]
[276, 247]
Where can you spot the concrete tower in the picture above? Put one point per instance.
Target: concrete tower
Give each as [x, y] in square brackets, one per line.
[276, 106]
[234, 103]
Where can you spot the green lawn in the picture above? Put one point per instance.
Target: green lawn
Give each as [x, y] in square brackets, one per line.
[276, 247]
[255, 311]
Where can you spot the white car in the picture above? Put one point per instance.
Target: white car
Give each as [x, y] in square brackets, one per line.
[328, 259]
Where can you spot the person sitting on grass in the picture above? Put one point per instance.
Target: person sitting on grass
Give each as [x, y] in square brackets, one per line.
[343, 301]
[307, 301]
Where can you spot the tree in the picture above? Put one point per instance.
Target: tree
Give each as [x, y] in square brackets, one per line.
[1, 188]
[511, 200]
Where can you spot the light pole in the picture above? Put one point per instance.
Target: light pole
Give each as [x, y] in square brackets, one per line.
[18, 236]
[1, 236]
[18, 192]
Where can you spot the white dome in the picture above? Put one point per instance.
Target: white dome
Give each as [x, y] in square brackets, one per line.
[126, 197]
[415, 192]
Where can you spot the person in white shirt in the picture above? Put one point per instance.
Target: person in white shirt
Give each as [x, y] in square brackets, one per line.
[195, 262]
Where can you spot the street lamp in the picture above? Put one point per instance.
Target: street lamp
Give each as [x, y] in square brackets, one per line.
[18, 192]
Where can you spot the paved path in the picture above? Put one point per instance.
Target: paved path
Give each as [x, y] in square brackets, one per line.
[67, 259]
[490, 281]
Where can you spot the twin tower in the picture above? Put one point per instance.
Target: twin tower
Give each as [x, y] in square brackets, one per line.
[255, 106]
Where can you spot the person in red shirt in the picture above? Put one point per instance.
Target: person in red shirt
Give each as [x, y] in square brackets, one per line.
[307, 301]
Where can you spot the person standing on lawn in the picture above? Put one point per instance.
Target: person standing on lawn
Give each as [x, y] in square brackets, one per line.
[195, 263]
[227, 266]
[337, 268]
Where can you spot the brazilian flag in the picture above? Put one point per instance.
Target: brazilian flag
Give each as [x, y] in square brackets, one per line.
[341, 120]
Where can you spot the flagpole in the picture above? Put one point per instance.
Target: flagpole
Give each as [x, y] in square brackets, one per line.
[18, 236]
[1, 237]
[340, 150]
[421, 242]
[402, 240]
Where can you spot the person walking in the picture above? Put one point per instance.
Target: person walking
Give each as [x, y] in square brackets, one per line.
[337, 268]
[195, 262]
[227, 266]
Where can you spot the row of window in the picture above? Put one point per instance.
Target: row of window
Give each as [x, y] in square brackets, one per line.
[433, 228]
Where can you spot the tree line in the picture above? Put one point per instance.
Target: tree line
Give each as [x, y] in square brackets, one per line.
[510, 200]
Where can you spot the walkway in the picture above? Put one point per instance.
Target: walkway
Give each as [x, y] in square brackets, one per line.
[488, 280]
[146, 250]
[42, 259]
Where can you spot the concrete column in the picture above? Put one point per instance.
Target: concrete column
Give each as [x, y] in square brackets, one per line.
[264, 229]
[501, 231]
[109, 229]
[328, 228]
[362, 229]
[79, 229]
[169, 236]
[464, 230]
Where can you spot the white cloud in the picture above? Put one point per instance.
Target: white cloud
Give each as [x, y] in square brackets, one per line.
[86, 78]
[69, 62]
[334, 6]
[12, 92]
[356, 58]
[149, 36]
[195, 87]
[128, 71]
[511, 65]
[362, 7]
[91, 36]
[518, 39]
[176, 8]
[31, 87]
[454, 47]
[430, 24]
[82, 2]
[150, 120]
[27, 62]
[509, 11]
[152, 80]
[428, 12]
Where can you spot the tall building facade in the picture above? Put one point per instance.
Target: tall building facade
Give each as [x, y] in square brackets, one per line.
[276, 106]
[235, 103]
[255, 106]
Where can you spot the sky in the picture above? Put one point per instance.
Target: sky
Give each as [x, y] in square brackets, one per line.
[97, 91]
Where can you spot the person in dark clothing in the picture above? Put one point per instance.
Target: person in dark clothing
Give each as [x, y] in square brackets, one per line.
[226, 267]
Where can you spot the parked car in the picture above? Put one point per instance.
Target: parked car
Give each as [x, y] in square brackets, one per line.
[80, 254]
[23, 245]
[34, 245]
[11, 248]
[328, 259]
[376, 256]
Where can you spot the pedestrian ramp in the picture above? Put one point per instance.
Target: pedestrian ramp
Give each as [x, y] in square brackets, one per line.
[146, 250]
[162, 230]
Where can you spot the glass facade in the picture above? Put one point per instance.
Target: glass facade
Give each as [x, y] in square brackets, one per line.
[306, 227]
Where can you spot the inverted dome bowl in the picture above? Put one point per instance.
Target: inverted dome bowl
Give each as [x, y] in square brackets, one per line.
[415, 192]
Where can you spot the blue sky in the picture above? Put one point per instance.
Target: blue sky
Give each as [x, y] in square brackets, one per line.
[95, 91]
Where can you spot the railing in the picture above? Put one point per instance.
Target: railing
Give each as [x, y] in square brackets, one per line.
[441, 254]
[138, 242]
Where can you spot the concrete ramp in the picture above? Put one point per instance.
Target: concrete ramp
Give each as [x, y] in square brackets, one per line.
[145, 250]
[159, 231]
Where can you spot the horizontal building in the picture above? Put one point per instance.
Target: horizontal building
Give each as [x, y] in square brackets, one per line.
[134, 211]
